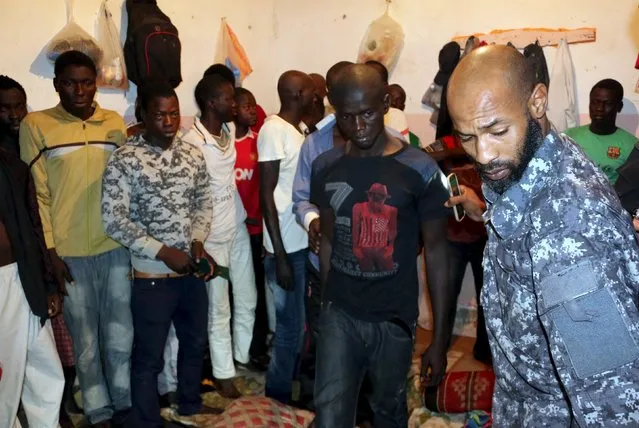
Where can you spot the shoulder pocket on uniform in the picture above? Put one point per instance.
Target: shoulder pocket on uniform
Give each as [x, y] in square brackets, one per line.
[587, 320]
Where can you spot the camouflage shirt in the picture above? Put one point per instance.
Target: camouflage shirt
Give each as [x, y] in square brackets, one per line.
[153, 197]
[560, 296]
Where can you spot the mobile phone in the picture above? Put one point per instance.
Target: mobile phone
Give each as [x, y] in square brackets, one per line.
[204, 268]
[455, 190]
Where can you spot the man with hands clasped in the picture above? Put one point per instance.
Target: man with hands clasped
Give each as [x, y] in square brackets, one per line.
[156, 201]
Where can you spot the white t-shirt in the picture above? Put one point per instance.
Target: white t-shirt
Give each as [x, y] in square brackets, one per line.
[228, 211]
[278, 140]
[396, 119]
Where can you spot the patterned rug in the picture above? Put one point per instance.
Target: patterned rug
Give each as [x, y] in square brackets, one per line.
[248, 383]
[251, 384]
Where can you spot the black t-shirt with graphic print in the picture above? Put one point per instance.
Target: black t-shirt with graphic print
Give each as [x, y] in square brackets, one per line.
[379, 204]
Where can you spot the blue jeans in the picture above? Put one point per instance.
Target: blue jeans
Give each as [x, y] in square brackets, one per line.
[97, 312]
[156, 303]
[348, 349]
[289, 330]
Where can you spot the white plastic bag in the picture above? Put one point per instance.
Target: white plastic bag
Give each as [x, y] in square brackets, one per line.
[112, 69]
[382, 42]
[73, 38]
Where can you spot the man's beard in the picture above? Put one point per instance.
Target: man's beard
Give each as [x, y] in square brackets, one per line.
[534, 139]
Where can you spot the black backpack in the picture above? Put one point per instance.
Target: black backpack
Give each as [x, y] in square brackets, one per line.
[152, 49]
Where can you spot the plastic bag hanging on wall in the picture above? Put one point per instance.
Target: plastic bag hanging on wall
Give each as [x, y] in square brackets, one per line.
[231, 53]
[111, 70]
[73, 38]
[382, 42]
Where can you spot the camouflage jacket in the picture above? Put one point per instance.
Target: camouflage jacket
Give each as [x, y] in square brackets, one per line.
[560, 296]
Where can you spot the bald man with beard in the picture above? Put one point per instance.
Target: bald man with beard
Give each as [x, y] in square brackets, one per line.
[286, 243]
[561, 266]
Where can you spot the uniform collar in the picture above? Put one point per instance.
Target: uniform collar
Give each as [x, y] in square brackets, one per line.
[506, 212]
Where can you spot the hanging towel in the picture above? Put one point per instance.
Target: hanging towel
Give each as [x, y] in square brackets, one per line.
[562, 102]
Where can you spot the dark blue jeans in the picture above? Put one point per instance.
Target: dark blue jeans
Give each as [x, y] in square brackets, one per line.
[289, 326]
[347, 350]
[154, 304]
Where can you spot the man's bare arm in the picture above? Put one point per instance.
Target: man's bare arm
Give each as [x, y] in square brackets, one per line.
[269, 175]
[442, 296]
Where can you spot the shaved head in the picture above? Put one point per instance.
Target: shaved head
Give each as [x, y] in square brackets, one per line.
[498, 112]
[333, 73]
[493, 65]
[358, 79]
[398, 96]
[320, 84]
[295, 87]
[360, 97]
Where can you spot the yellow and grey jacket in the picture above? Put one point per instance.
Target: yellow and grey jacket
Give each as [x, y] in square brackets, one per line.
[67, 158]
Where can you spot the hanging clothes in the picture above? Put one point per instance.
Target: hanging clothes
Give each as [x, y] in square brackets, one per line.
[562, 101]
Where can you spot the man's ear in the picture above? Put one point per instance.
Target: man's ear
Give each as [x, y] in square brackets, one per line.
[620, 107]
[55, 84]
[387, 102]
[538, 101]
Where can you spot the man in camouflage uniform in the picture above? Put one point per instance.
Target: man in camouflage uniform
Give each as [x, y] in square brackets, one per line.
[562, 264]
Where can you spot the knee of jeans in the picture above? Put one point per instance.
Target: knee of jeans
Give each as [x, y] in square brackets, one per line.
[288, 317]
[86, 346]
[120, 344]
[197, 343]
[143, 366]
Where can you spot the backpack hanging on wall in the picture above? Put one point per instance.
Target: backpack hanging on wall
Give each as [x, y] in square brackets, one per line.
[152, 48]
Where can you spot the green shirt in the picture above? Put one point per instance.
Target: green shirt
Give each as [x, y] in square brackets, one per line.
[609, 152]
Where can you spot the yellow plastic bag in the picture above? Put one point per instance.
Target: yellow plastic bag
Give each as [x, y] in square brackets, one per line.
[382, 42]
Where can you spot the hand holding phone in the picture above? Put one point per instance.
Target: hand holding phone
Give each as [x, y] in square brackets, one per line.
[204, 267]
[455, 190]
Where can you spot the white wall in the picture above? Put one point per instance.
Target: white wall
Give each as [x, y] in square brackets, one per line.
[312, 35]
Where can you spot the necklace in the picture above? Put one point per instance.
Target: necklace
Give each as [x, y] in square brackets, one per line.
[222, 140]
